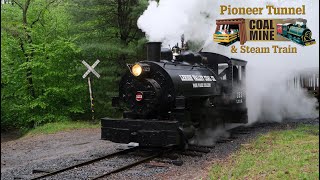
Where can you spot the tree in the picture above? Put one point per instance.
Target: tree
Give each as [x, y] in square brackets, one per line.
[39, 81]
[43, 43]
[111, 24]
[107, 30]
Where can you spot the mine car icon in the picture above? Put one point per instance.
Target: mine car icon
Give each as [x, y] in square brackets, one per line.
[229, 31]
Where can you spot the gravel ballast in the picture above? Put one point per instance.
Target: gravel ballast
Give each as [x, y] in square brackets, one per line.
[54, 151]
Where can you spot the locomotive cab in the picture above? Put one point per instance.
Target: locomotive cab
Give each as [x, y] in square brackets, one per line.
[166, 100]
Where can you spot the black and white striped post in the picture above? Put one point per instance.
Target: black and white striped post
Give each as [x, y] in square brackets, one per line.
[91, 69]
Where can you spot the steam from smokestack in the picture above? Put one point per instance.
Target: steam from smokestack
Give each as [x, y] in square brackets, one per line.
[268, 97]
[169, 19]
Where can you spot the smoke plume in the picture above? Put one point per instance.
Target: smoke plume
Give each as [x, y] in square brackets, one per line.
[268, 97]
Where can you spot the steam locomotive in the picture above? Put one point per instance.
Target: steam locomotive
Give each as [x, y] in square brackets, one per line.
[296, 33]
[175, 93]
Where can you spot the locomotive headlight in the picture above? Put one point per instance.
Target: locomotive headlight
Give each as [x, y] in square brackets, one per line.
[136, 70]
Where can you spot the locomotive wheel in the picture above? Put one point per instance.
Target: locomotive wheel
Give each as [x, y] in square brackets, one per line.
[306, 36]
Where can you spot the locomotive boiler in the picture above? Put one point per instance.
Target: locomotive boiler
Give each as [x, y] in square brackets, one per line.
[173, 94]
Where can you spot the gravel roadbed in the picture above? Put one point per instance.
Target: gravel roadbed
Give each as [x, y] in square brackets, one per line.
[54, 151]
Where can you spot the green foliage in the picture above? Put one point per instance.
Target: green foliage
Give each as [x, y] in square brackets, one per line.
[50, 56]
[289, 154]
[42, 45]
[51, 128]
[107, 30]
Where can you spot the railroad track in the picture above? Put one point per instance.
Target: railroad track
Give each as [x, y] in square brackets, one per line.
[154, 154]
[125, 167]
[86, 163]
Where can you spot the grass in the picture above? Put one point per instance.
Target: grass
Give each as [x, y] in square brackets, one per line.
[288, 154]
[51, 128]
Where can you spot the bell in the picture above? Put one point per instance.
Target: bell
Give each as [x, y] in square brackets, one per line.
[175, 51]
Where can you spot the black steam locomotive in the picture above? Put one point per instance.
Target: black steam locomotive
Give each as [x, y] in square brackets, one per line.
[175, 93]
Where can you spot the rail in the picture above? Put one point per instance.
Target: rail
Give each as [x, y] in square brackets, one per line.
[86, 163]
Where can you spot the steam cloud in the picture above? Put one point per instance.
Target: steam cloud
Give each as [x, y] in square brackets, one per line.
[268, 97]
[209, 137]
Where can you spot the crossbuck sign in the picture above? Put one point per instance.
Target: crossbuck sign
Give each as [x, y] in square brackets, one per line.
[91, 69]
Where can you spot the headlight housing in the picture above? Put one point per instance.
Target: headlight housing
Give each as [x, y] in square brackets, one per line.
[136, 70]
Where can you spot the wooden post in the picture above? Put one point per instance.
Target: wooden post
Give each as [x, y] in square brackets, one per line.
[91, 69]
[242, 29]
[91, 98]
[217, 28]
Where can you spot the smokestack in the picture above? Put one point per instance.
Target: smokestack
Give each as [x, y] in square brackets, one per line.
[154, 51]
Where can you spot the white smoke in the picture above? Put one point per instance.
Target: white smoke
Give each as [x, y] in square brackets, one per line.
[169, 19]
[267, 94]
[271, 97]
[209, 137]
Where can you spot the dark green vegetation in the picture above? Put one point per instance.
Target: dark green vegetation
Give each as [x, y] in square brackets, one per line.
[289, 154]
[42, 45]
[55, 127]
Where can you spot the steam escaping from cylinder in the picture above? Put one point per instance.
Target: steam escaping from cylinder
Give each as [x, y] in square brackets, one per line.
[209, 137]
[268, 96]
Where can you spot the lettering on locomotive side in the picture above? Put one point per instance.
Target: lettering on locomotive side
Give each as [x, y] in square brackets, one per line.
[207, 78]
[197, 78]
[186, 77]
[213, 78]
[201, 85]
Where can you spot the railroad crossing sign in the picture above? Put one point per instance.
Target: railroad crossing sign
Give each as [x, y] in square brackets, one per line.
[91, 69]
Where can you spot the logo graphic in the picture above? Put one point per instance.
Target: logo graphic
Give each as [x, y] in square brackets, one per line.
[229, 31]
[298, 33]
